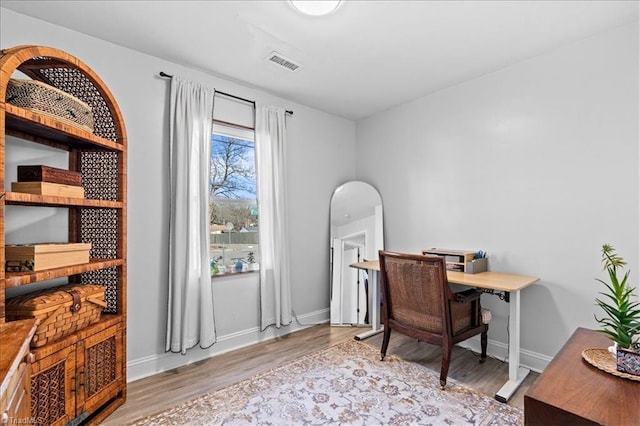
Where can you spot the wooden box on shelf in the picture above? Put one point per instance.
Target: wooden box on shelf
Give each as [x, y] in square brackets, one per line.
[48, 188]
[61, 310]
[37, 257]
[40, 173]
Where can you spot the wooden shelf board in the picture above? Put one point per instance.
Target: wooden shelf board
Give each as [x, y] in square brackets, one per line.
[22, 198]
[21, 122]
[15, 279]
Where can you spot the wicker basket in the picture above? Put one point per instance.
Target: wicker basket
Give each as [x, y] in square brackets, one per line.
[47, 100]
[61, 310]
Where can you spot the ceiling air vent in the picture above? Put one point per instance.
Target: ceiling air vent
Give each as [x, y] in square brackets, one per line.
[278, 59]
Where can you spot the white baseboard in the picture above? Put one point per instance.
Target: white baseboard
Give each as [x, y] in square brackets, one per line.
[531, 360]
[148, 366]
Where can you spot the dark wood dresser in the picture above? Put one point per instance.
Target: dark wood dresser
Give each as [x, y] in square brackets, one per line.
[570, 391]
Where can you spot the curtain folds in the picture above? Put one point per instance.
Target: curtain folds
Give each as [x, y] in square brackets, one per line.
[275, 288]
[190, 319]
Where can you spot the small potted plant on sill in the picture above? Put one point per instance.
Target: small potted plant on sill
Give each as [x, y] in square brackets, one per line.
[622, 309]
[251, 259]
[214, 266]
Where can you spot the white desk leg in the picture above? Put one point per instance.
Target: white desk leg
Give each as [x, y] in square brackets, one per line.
[374, 308]
[516, 373]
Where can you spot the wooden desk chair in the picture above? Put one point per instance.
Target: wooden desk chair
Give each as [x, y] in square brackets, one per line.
[418, 302]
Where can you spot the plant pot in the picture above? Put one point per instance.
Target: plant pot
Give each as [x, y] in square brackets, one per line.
[628, 361]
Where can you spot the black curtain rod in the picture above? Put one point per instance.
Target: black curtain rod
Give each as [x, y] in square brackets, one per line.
[249, 101]
[164, 74]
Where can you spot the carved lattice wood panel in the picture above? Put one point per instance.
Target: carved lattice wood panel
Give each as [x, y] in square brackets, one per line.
[109, 279]
[99, 227]
[100, 175]
[101, 366]
[48, 394]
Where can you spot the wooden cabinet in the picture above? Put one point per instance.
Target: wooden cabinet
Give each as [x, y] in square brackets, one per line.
[570, 391]
[74, 377]
[82, 377]
[15, 365]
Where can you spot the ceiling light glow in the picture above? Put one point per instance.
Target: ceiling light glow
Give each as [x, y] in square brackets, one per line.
[315, 7]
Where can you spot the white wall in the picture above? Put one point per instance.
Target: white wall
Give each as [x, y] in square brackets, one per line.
[537, 164]
[321, 155]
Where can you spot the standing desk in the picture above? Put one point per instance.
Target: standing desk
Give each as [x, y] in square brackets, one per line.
[509, 284]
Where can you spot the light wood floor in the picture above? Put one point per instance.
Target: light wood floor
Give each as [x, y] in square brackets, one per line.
[164, 390]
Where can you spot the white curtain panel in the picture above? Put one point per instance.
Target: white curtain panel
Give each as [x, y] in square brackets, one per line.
[190, 307]
[275, 288]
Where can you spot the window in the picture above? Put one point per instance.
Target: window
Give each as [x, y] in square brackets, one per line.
[233, 203]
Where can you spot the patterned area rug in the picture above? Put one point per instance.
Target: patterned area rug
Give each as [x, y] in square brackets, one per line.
[346, 384]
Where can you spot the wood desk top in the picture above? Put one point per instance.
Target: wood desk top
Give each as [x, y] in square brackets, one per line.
[490, 280]
[571, 391]
[369, 264]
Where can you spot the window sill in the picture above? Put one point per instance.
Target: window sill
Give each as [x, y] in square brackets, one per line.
[229, 274]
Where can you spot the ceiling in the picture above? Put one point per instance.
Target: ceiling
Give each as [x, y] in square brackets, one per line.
[366, 57]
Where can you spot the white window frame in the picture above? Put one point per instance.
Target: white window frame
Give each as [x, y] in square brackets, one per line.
[239, 132]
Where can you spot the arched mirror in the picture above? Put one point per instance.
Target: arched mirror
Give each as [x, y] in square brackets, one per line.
[356, 236]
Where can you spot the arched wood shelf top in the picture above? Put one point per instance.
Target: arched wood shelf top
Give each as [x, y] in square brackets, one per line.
[43, 63]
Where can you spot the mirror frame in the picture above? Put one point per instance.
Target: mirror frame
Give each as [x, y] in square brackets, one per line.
[356, 234]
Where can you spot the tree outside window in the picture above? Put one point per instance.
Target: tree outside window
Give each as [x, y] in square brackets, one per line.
[233, 203]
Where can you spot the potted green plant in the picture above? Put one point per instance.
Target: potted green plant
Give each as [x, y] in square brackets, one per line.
[622, 309]
[251, 259]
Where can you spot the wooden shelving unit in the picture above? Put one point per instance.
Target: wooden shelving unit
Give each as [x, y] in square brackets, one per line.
[81, 378]
[459, 260]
